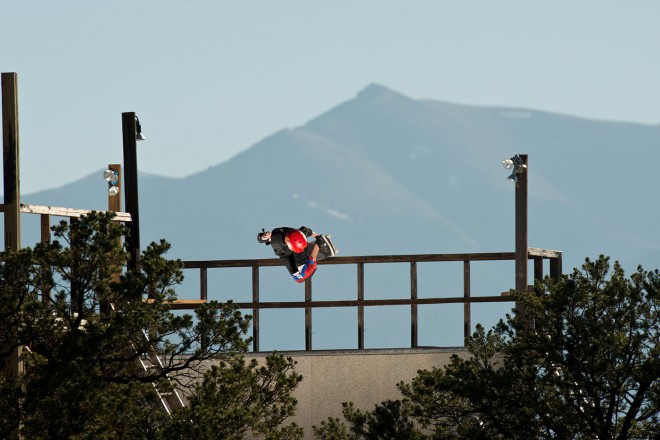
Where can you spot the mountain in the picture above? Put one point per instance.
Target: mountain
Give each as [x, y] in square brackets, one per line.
[386, 174]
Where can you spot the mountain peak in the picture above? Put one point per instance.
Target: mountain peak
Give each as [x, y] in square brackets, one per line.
[377, 91]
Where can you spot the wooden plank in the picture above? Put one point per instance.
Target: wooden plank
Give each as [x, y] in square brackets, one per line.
[497, 256]
[184, 304]
[68, 212]
[544, 253]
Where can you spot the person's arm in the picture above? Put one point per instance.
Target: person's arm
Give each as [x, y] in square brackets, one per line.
[308, 231]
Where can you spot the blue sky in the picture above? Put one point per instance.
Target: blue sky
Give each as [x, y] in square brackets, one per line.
[210, 78]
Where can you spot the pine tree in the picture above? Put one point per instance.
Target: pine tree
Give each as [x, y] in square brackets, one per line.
[85, 325]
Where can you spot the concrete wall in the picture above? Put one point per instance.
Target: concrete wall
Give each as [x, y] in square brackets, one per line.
[365, 377]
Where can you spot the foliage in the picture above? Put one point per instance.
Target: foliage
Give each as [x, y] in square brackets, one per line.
[84, 325]
[235, 398]
[389, 420]
[581, 361]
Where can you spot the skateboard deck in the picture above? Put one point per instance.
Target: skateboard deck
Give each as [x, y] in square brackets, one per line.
[326, 247]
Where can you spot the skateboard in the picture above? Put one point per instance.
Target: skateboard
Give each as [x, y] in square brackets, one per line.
[326, 247]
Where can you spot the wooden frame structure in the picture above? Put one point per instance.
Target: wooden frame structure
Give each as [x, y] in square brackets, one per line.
[12, 208]
[535, 254]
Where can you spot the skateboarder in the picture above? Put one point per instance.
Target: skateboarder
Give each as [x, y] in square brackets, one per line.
[299, 249]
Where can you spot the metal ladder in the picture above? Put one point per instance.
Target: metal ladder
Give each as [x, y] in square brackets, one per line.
[170, 400]
[151, 362]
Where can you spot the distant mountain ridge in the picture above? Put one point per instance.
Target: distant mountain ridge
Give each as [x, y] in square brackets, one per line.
[383, 159]
[387, 174]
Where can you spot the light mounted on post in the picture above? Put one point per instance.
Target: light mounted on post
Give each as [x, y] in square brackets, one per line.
[518, 165]
[138, 130]
[112, 177]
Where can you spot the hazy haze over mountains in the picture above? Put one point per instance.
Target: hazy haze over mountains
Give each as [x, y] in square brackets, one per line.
[386, 174]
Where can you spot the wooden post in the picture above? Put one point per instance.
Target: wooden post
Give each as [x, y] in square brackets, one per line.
[12, 192]
[467, 313]
[414, 320]
[521, 228]
[203, 284]
[45, 228]
[114, 205]
[308, 314]
[114, 202]
[360, 297]
[555, 268]
[255, 311]
[11, 165]
[131, 187]
[538, 268]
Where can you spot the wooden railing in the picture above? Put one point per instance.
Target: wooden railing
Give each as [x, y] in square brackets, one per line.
[535, 254]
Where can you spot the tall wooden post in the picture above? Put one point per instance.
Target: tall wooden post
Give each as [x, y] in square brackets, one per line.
[11, 166]
[12, 192]
[114, 205]
[521, 228]
[131, 186]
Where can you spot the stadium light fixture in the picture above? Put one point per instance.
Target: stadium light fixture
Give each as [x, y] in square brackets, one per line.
[138, 130]
[518, 165]
[112, 177]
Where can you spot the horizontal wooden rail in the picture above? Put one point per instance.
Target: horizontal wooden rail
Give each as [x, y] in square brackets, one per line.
[186, 304]
[417, 258]
[65, 212]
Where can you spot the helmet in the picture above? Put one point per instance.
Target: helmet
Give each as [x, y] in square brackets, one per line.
[296, 240]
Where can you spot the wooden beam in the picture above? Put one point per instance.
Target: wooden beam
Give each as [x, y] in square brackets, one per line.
[521, 227]
[131, 186]
[66, 212]
[544, 253]
[11, 161]
[12, 192]
[188, 304]
[493, 256]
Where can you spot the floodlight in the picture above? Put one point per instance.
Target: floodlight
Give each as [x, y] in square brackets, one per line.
[138, 130]
[111, 176]
[518, 165]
